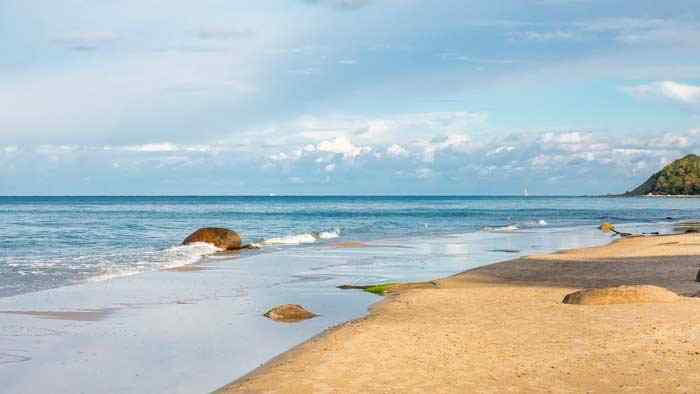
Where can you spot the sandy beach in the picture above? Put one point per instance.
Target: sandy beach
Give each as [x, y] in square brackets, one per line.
[504, 328]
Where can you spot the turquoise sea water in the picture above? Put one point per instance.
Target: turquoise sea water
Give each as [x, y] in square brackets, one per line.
[48, 242]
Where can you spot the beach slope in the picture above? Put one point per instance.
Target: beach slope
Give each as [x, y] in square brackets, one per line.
[504, 328]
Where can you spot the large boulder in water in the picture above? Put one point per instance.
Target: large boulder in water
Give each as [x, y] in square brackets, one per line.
[289, 313]
[220, 237]
[622, 295]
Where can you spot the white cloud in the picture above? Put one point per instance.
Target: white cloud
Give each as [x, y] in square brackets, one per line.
[396, 150]
[160, 147]
[387, 129]
[621, 30]
[424, 173]
[167, 147]
[454, 159]
[672, 140]
[453, 142]
[680, 92]
[279, 156]
[500, 150]
[343, 146]
[640, 31]
[565, 138]
[543, 36]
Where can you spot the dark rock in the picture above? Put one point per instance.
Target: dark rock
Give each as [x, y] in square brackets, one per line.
[289, 313]
[220, 237]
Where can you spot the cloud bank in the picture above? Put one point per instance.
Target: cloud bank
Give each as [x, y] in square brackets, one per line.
[459, 163]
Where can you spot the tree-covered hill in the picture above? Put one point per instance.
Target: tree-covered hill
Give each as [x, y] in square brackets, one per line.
[682, 177]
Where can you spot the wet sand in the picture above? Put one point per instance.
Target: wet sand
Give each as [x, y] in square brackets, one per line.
[81, 315]
[503, 328]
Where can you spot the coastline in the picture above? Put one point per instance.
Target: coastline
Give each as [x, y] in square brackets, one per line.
[502, 327]
[122, 327]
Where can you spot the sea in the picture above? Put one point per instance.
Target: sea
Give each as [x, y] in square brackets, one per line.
[99, 295]
[48, 242]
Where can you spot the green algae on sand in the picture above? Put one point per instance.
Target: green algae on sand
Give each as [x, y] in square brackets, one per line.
[379, 289]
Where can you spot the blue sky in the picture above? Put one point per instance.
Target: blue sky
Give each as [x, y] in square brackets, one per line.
[344, 96]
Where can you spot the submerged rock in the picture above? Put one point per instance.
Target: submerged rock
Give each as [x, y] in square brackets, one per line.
[643, 294]
[289, 313]
[220, 237]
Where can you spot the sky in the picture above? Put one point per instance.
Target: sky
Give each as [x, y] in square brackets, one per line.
[148, 97]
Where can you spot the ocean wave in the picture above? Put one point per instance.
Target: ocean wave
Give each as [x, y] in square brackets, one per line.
[503, 229]
[329, 234]
[300, 239]
[173, 257]
[178, 256]
[517, 226]
[297, 239]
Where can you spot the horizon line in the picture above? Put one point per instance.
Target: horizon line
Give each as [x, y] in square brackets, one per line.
[273, 195]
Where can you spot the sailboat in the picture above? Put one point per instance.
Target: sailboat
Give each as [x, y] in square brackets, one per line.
[525, 193]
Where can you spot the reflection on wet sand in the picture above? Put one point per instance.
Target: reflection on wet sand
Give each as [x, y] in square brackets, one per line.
[362, 245]
[350, 245]
[79, 315]
[10, 358]
[187, 268]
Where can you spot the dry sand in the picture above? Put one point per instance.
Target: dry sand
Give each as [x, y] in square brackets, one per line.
[503, 328]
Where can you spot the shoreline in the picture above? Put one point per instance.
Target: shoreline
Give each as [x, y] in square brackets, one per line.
[156, 318]
[395, 335]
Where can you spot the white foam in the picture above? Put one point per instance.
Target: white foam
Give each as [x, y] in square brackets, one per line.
[299, 239]
[542, 222]
[178, 256]
[291, 240]
[504, 229]
[173, 257]
[329, 234]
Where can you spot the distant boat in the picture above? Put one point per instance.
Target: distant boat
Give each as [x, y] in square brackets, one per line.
[525, 193]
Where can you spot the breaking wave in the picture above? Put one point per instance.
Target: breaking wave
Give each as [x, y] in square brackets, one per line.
[515, 227]
[173, 257]
[300, 239]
